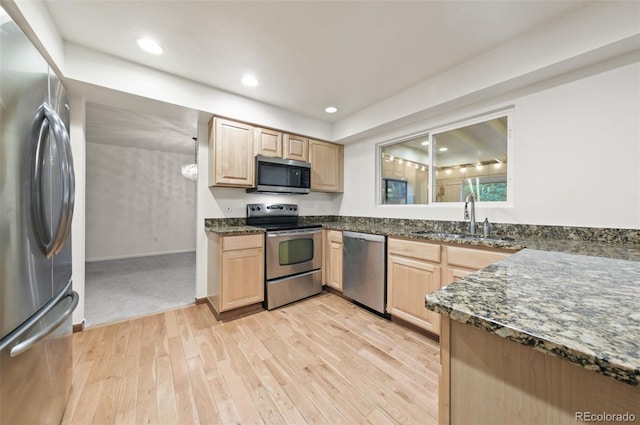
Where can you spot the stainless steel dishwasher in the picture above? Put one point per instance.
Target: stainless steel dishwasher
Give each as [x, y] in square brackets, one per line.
[364, 274]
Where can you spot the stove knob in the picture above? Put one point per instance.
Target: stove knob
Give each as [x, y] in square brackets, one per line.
[253, 208]
[258, 208]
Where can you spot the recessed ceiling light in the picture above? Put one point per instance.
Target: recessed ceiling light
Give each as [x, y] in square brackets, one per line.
[249, 80]
[425, 143]
[443, 149]
[331, 109]
[150, 46]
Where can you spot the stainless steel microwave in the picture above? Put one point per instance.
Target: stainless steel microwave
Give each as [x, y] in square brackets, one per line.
[277, 175]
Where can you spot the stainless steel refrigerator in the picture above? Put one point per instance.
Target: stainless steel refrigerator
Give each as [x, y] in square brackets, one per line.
[36, 207]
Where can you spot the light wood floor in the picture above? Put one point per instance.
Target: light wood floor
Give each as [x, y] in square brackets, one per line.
[321, 361]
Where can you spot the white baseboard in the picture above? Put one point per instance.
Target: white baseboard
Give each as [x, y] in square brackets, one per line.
[144, 254]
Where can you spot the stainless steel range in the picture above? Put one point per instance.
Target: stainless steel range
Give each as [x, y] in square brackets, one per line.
[293, 253]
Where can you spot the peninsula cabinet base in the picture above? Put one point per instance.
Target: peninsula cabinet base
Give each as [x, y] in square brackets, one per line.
[490, 380]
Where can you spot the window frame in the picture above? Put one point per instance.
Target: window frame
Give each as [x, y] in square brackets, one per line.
[508, 112]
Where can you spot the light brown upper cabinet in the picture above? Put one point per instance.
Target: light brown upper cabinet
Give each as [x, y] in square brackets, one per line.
[327, 166]
[231, 145]
[268, 142]
[295, 147]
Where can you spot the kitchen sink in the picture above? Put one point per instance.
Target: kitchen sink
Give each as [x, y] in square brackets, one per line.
[433, 234]
[444, 235]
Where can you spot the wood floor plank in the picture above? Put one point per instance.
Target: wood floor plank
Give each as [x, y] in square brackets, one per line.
[166, 394]
[107, 407]
[187, 411]
[207, 411]
[87, 404]
[222, 397]
[147, 398]
[189, 344]
[79, 379]
[240, 394]
[128, 401]
[322, 360]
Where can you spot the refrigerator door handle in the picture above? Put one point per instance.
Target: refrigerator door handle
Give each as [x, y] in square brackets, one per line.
[23, 346]
[62, 137]
[46, 119]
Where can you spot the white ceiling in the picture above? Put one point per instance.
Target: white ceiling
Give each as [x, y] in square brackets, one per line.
[306, 54]
[152, 131]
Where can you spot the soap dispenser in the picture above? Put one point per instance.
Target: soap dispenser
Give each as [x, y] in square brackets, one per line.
[486, 228]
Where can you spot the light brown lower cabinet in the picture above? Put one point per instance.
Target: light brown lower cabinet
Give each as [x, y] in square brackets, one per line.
[332, 259]
[413, 270]
[235, 272]
[487, 379]
[416, 268]
[461, 261]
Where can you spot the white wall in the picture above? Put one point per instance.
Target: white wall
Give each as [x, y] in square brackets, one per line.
[137, 203]
[576, 156]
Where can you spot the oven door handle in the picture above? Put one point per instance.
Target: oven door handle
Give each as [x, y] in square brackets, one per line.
[282, 279]
[272, 234]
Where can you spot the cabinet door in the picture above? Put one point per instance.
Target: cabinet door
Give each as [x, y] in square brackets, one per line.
[455, 273]
[335, 265]
[333, 259]
[409, 281]
[231, 154]
[295, 147]
[268, 142]
[399, 168]
[327, 166]
[473, 258]
[242, 278]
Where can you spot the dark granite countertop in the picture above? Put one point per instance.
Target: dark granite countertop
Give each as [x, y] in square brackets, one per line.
[597, 249]
[581, 308]
[542, 242]
[232, 229]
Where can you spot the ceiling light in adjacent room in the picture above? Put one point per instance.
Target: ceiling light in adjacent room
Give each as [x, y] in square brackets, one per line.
[425, 143]
[331, 109]
[249, 80]
[150, 46]
[190, 171]
[443, 149]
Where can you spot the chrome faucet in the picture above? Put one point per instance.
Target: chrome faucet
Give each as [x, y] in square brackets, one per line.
[472, 217]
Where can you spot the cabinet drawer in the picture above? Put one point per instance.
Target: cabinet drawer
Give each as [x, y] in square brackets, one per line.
[334, 236]
[420, 250]
[475, 259]
[233, 243]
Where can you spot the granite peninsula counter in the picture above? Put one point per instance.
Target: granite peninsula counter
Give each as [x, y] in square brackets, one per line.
[544, 325]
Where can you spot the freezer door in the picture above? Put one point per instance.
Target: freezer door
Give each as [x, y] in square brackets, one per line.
[35, 368]
[25, 272]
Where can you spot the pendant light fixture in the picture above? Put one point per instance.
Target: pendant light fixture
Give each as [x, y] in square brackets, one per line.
[190, 171]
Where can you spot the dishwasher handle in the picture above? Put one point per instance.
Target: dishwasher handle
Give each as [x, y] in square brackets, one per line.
[364, 236]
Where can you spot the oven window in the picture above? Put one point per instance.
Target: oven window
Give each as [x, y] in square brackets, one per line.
[295, 251]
